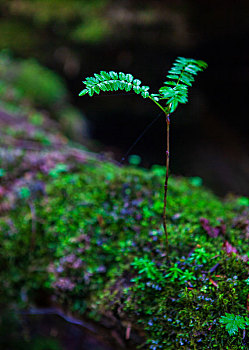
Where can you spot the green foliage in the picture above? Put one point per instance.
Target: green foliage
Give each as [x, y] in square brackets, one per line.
[181, 76]
[182, 275]
[112, 81]
[188, 276]
[174, 272]
[148, 268]
[40, 84]
[26, 85]
[200, 256]
[80, 21]
[29, 80]
[234, 322]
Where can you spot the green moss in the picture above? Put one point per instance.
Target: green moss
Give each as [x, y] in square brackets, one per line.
[95, 240]
[26, 85]
[40, 84]
[178, 315]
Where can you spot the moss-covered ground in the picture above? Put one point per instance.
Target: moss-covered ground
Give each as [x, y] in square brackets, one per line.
[90, 234]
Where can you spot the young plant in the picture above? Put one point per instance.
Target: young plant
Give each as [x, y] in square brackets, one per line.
[174, 91]
[234, 322]
[174, 273]
[147, 268]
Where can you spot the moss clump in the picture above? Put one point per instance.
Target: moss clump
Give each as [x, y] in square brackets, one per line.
[185, 312]
[26, 85]
[92, 236]
[28, 82]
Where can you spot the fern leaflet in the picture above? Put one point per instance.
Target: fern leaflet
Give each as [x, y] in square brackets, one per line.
[181, 76]
[112, 81]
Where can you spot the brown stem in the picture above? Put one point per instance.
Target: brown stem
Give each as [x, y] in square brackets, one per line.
[166, 187]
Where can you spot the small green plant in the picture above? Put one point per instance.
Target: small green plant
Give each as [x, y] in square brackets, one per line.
[174, 91]
[181, 275]
[187, 276]
[200, 256]
[234, 322]
[174, 273]
[148, 268]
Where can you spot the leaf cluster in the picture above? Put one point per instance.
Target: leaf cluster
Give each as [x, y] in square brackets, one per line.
[112, 81]
[200, 256]
[147, 267]
[181, 77]
[233, 323]
[175, 273]
[175, 90]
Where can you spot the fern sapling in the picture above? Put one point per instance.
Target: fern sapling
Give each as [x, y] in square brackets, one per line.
[173, 92]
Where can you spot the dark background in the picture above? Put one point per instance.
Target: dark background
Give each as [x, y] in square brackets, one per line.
[209, 135]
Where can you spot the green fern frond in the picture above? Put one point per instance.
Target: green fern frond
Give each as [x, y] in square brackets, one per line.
[181, 76]
[112, 81]
[175, 90]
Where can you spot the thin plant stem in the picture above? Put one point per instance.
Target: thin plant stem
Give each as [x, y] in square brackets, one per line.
[158, 104]
[166, 187]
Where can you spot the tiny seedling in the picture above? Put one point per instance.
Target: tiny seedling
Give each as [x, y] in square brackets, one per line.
[148, 268]
[174, 91]
[174, 273]
[234, 322]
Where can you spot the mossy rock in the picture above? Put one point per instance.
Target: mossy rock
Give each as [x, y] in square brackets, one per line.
[88, 234]
[26, 85]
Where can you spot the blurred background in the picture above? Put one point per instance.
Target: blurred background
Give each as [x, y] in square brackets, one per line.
[49, 47]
